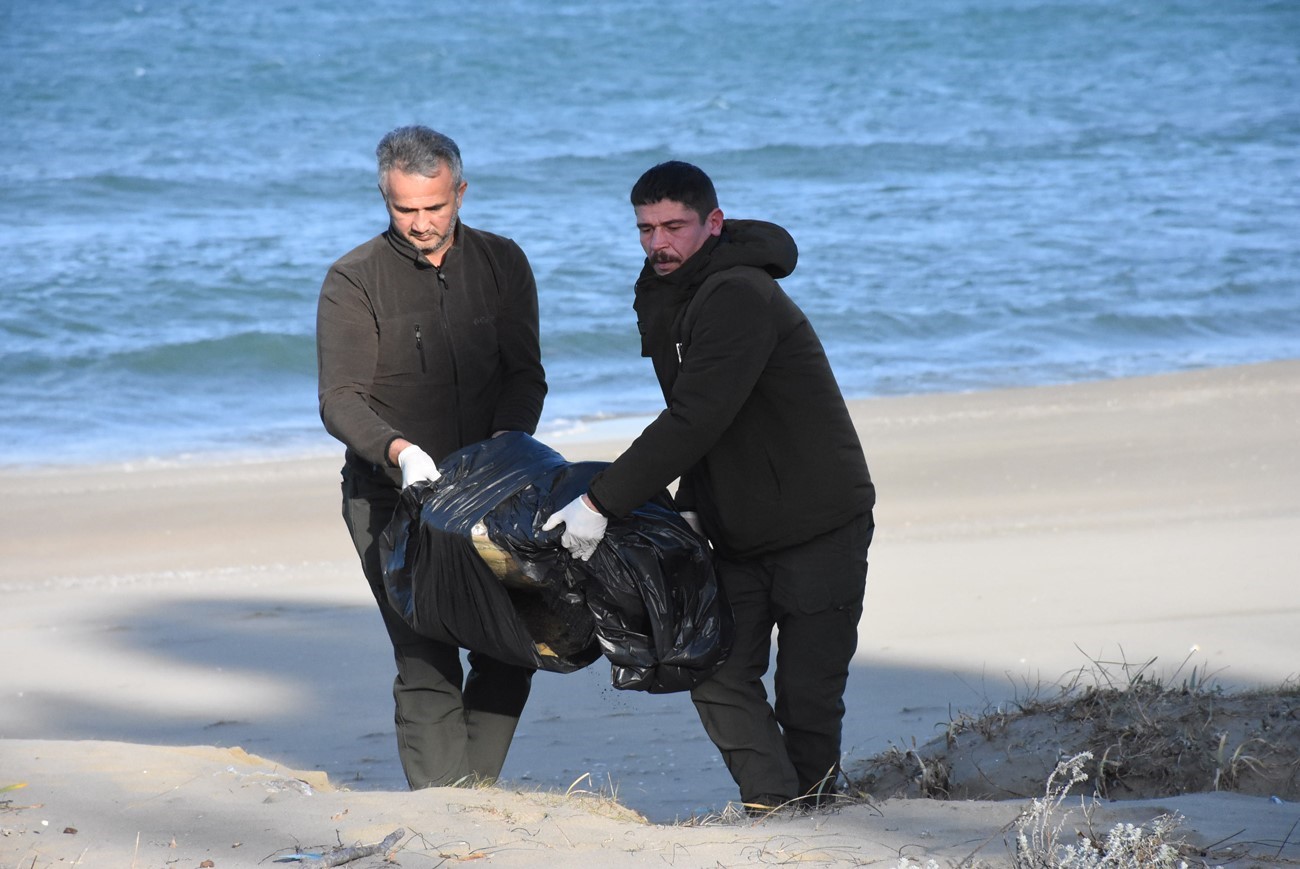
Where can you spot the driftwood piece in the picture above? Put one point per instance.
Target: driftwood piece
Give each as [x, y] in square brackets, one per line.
[339, 856]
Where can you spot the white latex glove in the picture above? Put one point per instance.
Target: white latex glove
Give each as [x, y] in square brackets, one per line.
[693, 519]
[583, 527]
[416, 466]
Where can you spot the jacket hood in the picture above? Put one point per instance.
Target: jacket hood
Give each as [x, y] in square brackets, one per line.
[754, 243]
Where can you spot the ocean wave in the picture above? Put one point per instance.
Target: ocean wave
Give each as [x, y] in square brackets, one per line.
[252, 353]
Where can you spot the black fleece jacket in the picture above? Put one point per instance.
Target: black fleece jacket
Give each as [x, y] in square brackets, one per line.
[755, 427]
[443, 356]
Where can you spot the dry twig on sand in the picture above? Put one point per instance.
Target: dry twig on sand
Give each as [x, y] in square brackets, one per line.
[339, 856]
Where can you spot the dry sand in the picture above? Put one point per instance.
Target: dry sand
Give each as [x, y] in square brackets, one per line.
[193, 669]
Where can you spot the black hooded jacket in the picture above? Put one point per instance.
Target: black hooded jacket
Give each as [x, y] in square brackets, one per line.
[755, 427]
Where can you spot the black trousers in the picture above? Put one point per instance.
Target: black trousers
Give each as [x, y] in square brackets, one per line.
[450, 729]
[812, 595]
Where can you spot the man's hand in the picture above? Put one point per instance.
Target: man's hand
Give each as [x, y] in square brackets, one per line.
[583, 527]
[416, 466]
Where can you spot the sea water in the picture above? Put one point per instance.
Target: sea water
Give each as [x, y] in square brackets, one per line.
[985, 193]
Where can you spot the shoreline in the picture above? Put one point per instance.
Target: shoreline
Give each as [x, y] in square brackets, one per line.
[599, 428]
[1023, 535]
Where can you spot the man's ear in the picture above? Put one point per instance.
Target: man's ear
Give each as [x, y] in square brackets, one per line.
[714, 221]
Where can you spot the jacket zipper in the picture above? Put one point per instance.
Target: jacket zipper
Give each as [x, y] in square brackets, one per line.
[451, 351]
[419, 345]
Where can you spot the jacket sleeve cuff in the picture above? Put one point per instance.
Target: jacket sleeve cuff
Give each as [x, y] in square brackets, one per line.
[600, 508]
[388, 445]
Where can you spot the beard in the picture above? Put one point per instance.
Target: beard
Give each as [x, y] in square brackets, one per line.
[436, 242]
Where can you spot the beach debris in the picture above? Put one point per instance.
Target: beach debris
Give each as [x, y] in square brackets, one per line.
[339, 856]
[8, 805]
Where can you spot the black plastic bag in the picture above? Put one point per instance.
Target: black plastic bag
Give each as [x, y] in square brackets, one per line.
[465, 562]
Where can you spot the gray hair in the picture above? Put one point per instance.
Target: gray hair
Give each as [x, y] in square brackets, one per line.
[417, 150]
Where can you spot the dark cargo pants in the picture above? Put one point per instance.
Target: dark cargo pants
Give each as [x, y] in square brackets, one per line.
[446, 732]
[812, 594]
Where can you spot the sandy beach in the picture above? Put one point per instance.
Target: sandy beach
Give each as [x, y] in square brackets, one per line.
[194, 670]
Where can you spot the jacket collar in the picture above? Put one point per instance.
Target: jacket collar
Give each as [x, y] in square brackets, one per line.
[682, 281]
[659, 298]
[407, 251]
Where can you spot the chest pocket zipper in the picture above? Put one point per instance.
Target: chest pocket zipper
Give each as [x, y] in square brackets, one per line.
[419, 345]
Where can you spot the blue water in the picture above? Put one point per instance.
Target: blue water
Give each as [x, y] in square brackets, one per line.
[986, 193]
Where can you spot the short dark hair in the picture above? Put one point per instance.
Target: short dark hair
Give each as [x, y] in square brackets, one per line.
[417, 150]
[680, 182]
